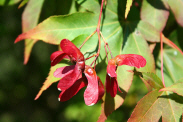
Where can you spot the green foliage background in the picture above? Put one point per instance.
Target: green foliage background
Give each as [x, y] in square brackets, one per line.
[20, 83]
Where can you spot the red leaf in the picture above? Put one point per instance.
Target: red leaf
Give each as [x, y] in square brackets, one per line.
[69, 79]
[131, 60]
[111, 68]
[56, 57]
[69, 48]
[63, 71]
[73, 90]
[92, 92]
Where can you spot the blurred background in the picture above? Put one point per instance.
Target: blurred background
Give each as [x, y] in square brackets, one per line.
[20, 83]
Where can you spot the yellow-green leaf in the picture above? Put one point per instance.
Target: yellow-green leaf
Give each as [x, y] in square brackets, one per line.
[23, 3]
[50, 79]
[153, 80]
[128, 5]
[176, 88]
[30, 18]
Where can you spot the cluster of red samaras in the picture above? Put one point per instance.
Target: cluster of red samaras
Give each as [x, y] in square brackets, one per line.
[71, 76]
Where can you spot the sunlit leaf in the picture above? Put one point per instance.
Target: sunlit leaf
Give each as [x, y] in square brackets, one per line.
[173, 66]
[148, 31]
[177, 7]
[56, 28]
[30, 18]
[153, 80]
[155, 12]
[128, 5]
[50, 79]
[156, 104]
[176, 88]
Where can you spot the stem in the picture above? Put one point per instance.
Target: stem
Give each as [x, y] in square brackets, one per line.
[98, 33]
[98, 25]
[87, 38]
[106, 52]
[106, 44]
[162, 59]
[98, 52]
[91, 56]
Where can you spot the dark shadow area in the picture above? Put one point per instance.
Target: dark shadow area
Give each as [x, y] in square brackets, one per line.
[180, 36]
[171, 25]
[156, 51]
[174, 97]
[6, 2]
[55, 7]
[130, 24]
[128, 28]
[109, 104]
[158, 4]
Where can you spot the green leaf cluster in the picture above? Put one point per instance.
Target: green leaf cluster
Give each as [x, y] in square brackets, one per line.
[129, 27]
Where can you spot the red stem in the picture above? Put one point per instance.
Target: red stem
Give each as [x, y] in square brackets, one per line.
[106, 44]
[91, 56]
[98, 33]
[162, 59]
[98, 25]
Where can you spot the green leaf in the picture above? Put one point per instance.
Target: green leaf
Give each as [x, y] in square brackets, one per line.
[23, 3]
[176, 88]
[128, 5]
[8, 2]
[30, 18]
[149, 32]
[173, 67]
[155, 12]
[153, 80]
[134, 43]
[177, 7]
[156, 104]
[78, 26]
[50, 79]
[90, 5]
[56, 28]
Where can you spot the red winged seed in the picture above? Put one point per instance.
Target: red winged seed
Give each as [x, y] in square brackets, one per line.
[69, 79]
[114, 87]
[111, 68]
[56, 57]
[101, 89]
[131, 60]
[91, 93]
[63, 71]
[70, 49]
[107, 83]
[73, 90]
